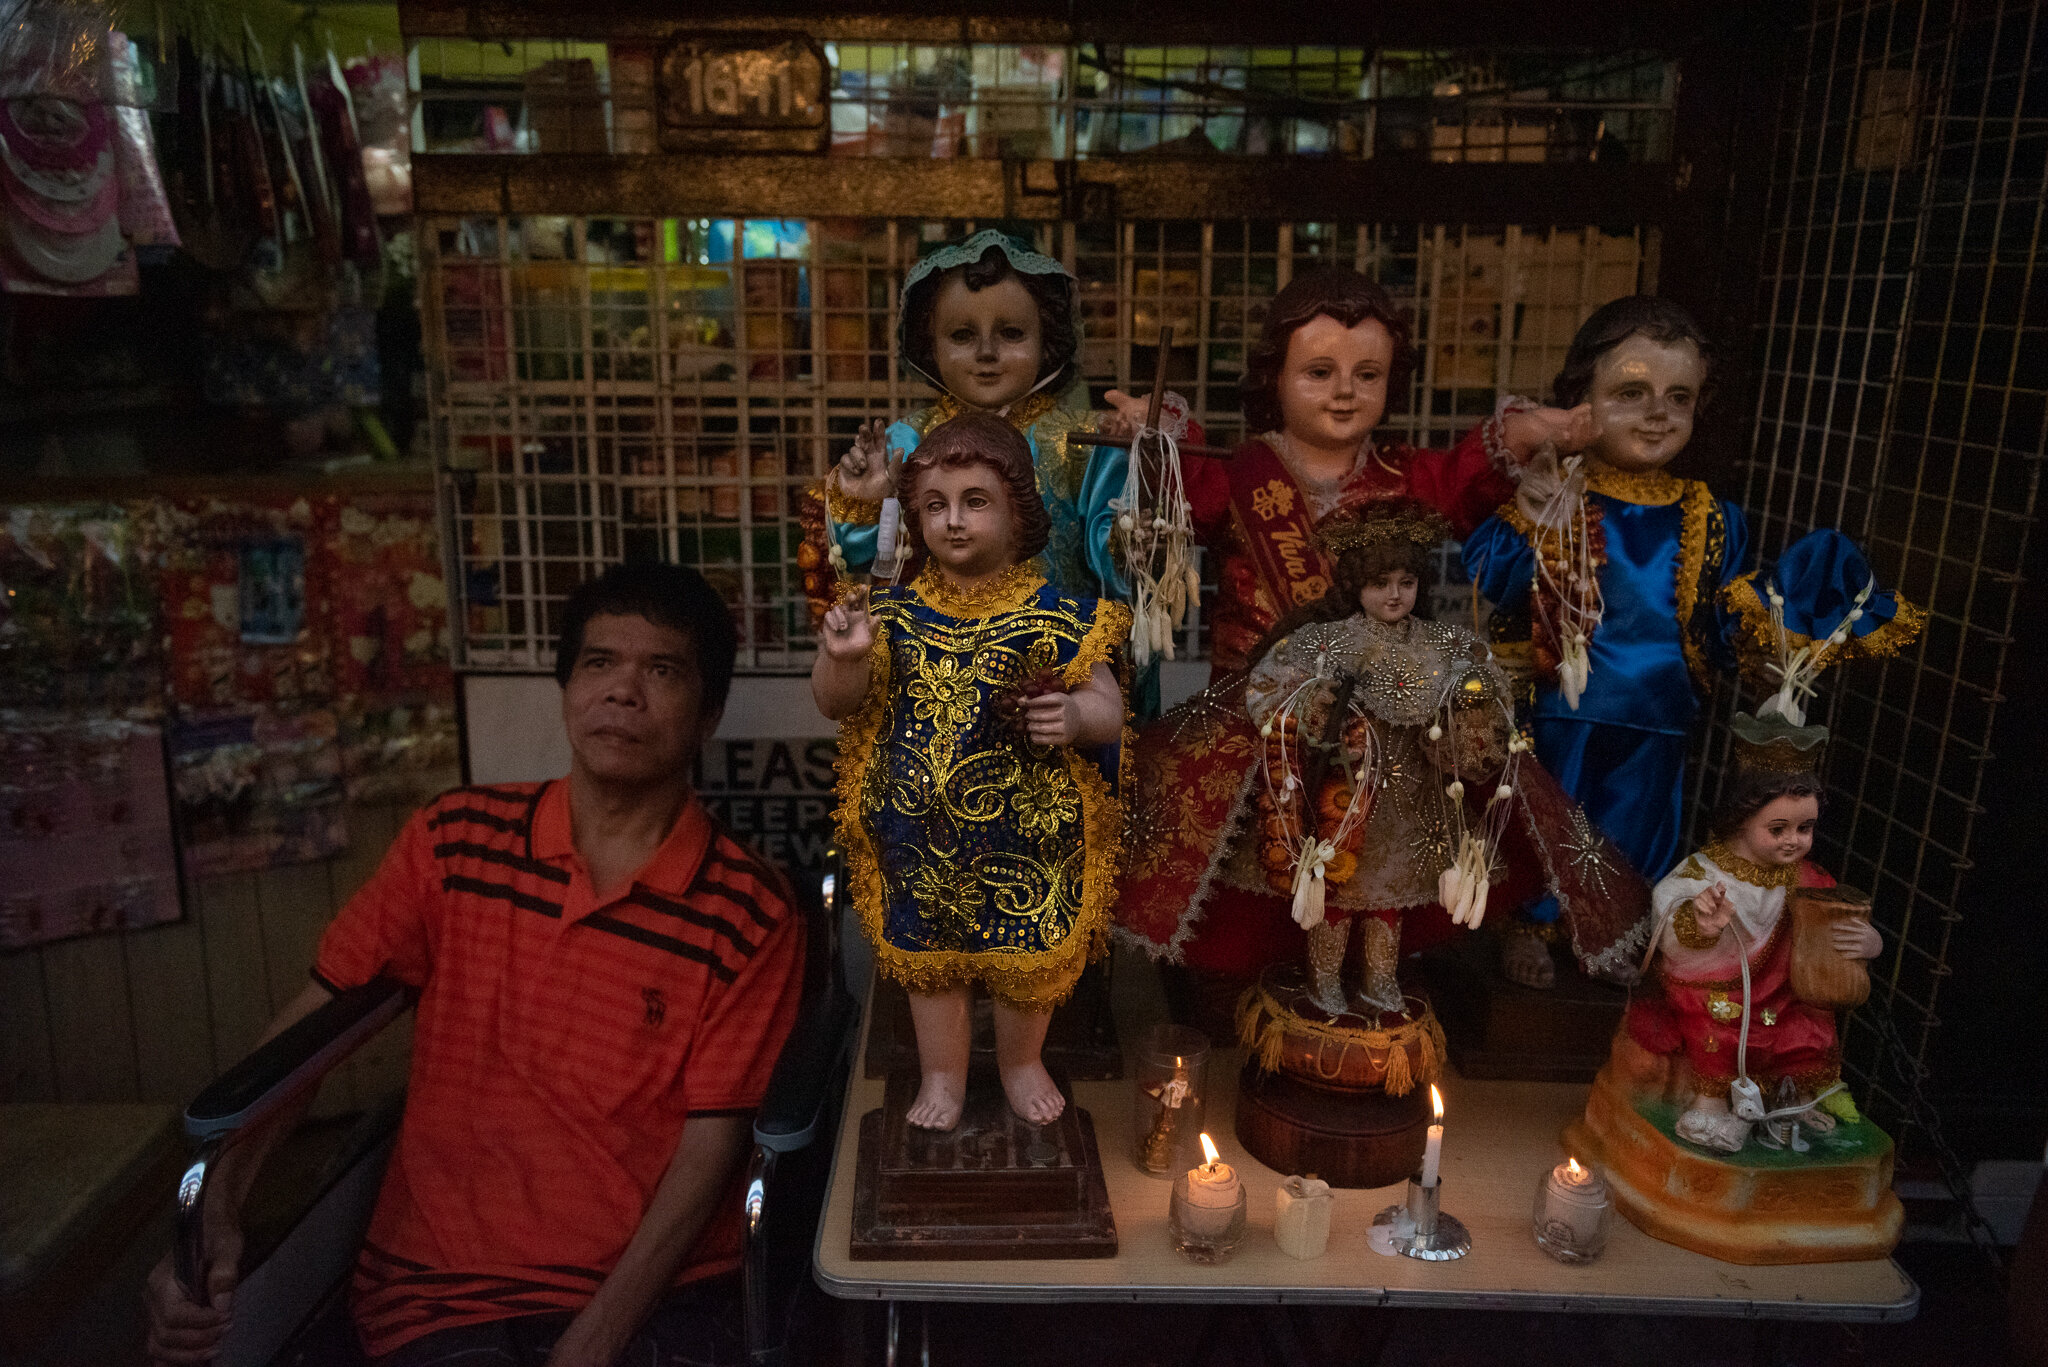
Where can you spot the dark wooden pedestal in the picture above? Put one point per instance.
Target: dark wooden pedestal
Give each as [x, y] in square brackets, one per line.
[1349, 1139]
[994, 1186]
[1498, 1029]
[1080, 1043]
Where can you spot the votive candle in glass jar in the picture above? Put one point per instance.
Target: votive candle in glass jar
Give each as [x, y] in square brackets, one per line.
[1206, 1213]
[1573, 1212]
[1167, 1109]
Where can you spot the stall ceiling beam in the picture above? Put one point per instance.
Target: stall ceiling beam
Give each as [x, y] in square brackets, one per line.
[761, 186]
[1483, 23]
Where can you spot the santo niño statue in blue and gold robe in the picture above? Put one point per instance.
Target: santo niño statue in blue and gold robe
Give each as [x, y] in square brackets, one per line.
[974, 855]
[1633, 593]
[1648, 571]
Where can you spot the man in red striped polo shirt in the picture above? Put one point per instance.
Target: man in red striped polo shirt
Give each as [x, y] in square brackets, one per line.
[606, 979]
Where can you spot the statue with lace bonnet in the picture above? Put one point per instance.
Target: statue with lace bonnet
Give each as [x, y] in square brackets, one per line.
[981, 723]
[1729, 1057]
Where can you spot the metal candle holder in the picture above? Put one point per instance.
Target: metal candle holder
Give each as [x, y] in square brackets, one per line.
[1418, 1228]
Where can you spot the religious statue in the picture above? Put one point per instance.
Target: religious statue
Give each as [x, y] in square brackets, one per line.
[1363, 792]
[1370, 771]
[995, 328]
[1623, 586]
[1730, 1059]
[981, 722]
[1333, 355]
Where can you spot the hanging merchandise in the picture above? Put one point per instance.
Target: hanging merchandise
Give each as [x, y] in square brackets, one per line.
[79, 184]
[383, 111]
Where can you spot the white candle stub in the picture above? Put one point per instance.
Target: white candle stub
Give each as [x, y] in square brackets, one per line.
[1212, 1195]
[1433, 1148]
[1576, 1200]
[1301, 1217]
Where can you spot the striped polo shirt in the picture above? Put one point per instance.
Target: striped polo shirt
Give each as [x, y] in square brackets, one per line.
[561, 1045]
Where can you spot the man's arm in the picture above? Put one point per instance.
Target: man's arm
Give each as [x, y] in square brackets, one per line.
[182, 1330]
[709, 1152]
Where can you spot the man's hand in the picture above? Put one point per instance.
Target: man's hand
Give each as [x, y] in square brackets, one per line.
[868, 470]
[1712, 909]
[180, 1329]
[1568, 429]
[591, 1340]
[849, 631]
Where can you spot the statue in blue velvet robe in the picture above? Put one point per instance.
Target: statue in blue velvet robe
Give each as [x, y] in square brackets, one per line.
[1631, 587]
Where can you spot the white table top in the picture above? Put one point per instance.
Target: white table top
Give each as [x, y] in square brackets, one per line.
[1500, 1138]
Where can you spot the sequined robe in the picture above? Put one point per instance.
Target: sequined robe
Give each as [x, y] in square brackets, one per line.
[974, 855]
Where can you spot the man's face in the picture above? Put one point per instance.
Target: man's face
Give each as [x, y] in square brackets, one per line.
[963, 513]
[1644, 393]
[986, 342]
[634, 705]
[1333, 387]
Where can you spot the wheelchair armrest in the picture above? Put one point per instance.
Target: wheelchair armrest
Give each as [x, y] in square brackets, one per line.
[288, 1066]
[806, 1072]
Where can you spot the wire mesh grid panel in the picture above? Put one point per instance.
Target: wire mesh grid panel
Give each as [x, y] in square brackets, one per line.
[1904, 370]
[624, 388]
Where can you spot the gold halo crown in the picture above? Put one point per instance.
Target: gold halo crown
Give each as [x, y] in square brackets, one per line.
[1772, 745]
[1405, 520]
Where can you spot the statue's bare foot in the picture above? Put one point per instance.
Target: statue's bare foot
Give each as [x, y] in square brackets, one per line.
[1525, 959]
[939, 1099]
[1032, 1093]
[1710, 1124]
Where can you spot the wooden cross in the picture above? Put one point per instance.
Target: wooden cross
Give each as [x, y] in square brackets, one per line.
[1152, 450]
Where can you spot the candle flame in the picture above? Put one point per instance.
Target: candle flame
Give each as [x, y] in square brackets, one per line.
[1571, 1167]
[1209, 1154]
[1436, 1099]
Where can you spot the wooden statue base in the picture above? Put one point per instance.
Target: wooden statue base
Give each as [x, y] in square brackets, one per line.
[1349, 1139]
[1081, 1042]
[994, 1186]
[1502, 1030]
[1759, 1206]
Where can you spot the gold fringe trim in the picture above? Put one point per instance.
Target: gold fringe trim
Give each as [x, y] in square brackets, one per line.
[1106, 634]
[1742, 598]
[1692, 558]
[1512, 514]
[1648, 488]
[1005, 591]
[844, 507]
[1033, 982]
[1263, 1026]
[1755, 874]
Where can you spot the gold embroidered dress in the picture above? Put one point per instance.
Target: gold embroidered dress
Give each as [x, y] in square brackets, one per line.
[973, 854]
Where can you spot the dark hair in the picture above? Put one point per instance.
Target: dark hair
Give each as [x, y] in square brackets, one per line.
[1751, 792]
[1342, 294]
[1058, 343]
[976, 438]
[672, 596]
[1615, 322]
[1355, 569]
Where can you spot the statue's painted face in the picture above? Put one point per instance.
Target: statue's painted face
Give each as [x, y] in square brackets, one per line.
[964, 515]
[1389, 597]
[1781, 833]
[1333, 388]
[987, 342]
[1643, 397]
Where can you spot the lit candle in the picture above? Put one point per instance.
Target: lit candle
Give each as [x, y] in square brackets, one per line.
[1572, 1223]
[1433, 1151]
[1212, 1195]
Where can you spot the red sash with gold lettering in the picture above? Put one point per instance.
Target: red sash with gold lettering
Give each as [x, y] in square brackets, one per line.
[1278, 532]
